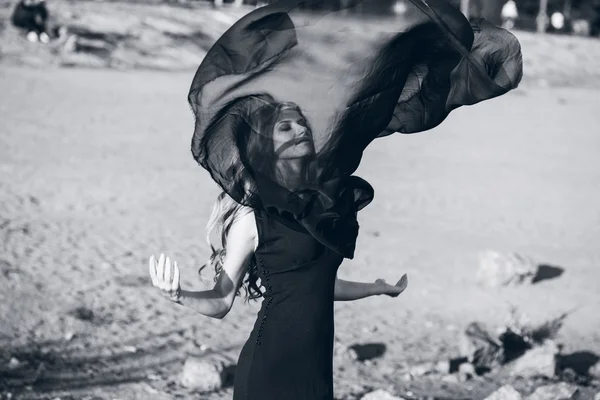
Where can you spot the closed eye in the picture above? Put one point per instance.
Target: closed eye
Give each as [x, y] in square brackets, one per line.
[284, 126]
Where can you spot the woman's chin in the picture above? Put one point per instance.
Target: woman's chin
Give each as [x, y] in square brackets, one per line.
[301, 150]
[306, 148]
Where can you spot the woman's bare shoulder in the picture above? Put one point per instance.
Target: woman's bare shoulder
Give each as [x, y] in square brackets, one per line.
[244, 230]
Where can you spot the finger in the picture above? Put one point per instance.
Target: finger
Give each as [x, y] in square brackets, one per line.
[160, 270]
[175, 284]
[402, 283]
[167, 281]
[152, 270]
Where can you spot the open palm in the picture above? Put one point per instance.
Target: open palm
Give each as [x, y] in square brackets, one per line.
[393, 290]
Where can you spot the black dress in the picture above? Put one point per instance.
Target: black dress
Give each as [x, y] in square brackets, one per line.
[289, 353]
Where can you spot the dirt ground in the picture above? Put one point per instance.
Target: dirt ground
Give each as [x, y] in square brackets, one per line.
[96, 175]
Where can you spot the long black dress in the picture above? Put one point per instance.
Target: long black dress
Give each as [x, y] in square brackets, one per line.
[290, 350]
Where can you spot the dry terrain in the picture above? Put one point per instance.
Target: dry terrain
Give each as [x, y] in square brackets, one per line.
[96, 175]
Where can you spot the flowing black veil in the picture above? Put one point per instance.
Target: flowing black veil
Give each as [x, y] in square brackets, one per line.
[317, 72]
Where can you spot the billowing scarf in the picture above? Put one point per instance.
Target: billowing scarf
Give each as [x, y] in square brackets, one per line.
[287, 100]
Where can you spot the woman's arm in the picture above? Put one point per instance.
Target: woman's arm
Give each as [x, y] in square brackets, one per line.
[348, 290]
[216, 302]
[241, 244]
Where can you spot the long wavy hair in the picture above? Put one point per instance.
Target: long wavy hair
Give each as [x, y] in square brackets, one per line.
[226, 211]
[258, 154]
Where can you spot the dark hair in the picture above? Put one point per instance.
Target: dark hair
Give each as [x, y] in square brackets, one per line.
[254, 137]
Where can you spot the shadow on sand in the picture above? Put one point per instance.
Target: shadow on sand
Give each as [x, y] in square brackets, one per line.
[69, 365]
[546, 271]
[579, 362]
[368, 351]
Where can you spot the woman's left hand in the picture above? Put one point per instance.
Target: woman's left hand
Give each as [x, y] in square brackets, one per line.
[392, 290]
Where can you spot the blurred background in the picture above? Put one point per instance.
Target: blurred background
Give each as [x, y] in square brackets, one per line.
[499, 231]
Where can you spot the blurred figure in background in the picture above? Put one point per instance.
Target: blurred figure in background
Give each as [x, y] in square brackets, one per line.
[557, 20]
[32, 16]
[509, 14]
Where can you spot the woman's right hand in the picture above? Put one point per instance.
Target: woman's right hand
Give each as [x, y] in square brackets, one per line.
[165, 276]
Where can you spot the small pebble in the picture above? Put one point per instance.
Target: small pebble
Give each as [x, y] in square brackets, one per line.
[13, 363]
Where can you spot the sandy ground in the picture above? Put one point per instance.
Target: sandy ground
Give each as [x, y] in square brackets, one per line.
[96, 175]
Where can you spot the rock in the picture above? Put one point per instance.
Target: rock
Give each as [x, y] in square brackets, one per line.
[480, 347]
[380, 394]
[450, 378]
[14, 363]
[130, 349]
[83, 314]
[344, 353]
[466, 371]
[153, 377]
[537, 362]
[422, 369]
[505, 392]
[594, 371]
[442, 367]
[206, 373]
[407, 377]
[497, 269]
[558, 391]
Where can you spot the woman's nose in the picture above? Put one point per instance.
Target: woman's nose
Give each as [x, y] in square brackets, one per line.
[300, 130]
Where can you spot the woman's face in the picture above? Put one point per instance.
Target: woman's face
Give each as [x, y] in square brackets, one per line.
[291, 136]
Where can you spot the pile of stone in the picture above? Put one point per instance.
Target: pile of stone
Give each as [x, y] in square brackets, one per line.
[208, 372]
[512, 269]
[530, 351]
[555, 391]
[520, 348]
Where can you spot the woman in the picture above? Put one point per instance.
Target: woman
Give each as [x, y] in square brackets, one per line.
[288, 214]
[289, 353]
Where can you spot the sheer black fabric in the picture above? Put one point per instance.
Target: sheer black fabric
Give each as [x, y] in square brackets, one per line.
[286, 102]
